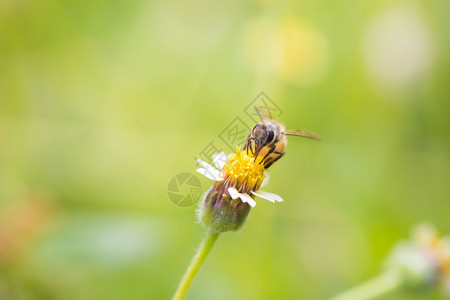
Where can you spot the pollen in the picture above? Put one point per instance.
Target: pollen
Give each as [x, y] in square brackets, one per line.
[243, 172]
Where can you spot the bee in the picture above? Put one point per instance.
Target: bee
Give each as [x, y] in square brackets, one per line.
[267, 140]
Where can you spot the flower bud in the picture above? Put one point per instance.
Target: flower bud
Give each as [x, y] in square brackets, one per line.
[220, 212]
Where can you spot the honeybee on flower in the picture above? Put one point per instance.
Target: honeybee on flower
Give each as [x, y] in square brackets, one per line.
[237, 179]
[239, 176]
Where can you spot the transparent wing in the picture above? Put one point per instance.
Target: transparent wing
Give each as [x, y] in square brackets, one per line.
[303, 133]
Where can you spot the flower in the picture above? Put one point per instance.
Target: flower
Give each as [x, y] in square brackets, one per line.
[242, 173]
[424, 260]
[237, 180]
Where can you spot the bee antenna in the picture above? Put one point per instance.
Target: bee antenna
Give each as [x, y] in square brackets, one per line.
[261, 117]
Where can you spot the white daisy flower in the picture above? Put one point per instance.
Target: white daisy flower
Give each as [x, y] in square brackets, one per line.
[425, 259]
[241, 175]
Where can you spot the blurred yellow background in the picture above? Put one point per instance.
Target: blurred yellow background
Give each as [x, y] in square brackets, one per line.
[103, 102]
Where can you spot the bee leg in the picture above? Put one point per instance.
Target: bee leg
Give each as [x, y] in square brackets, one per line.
[280, 155]
[248, 144]
[272, 149]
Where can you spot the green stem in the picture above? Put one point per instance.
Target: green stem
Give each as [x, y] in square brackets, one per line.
[196, 262]
[380, 285]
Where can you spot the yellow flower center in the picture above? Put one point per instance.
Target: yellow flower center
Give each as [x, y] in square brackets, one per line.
[242, 171]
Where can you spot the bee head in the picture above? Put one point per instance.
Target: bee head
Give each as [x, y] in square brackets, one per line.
[262, 134]
[265, 133]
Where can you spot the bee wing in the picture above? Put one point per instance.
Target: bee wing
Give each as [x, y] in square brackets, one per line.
[303, 133]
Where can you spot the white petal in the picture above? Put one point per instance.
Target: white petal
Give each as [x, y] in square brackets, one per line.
[204, 164]
[261, 196]
[246, 198]
[219, 159]
[268, 196]
[233, 192]
[266, 179]
[211, 173]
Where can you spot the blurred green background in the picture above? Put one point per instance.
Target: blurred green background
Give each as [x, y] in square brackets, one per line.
[103, 102]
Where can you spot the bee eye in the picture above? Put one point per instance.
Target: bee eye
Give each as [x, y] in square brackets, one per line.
[270, 136]
[254, 129]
